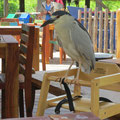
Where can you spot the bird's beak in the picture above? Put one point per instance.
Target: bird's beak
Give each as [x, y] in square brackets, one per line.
[51, 20]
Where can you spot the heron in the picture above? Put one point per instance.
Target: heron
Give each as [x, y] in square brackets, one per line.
[75, 41]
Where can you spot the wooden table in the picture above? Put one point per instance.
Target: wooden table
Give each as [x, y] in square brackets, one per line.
[16, 30]
[115, 61]
[71, 116]
[10, 52]
[10, 30]
[102, 56]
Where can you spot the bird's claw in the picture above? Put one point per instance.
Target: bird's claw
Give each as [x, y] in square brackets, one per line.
[75, 81]
[60, 79]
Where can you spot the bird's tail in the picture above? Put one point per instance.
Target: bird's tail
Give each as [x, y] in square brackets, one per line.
[87, 67]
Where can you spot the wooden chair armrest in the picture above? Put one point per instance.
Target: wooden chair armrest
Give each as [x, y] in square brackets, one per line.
[107, 80]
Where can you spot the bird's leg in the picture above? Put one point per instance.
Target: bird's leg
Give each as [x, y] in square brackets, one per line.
[69, 68]
[66, 75]
[78, 73]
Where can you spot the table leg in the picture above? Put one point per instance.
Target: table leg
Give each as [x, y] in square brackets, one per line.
[12, 82]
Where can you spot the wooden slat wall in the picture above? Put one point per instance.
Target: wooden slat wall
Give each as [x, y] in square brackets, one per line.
[100, 31]
[98, 25]
[90, 23]
[95, 29]
[111, 32]
[106, 31]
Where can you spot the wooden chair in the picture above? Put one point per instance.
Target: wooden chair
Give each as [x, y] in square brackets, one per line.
[31, 83]
[48, 40]
[42, 44]
[104, 76]
[25, 70]
[54, 42]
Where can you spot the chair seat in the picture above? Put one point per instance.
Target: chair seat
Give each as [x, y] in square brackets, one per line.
[37, 79]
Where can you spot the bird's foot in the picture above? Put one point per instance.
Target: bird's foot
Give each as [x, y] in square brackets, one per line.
[61, 80]
[75, 81]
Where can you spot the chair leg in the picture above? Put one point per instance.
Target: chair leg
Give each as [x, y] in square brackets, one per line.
[28, 103]
[33, 96]
[21, 103]
[43, 97]
[64, 54]
[61, 54]
[51, 51]
[3, 104]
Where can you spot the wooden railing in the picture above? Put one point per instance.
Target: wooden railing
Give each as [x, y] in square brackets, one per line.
[101, 26]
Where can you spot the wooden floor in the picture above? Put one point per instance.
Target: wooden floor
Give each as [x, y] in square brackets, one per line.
[54, 65]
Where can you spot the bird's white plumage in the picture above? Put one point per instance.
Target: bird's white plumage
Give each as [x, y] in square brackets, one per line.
[75, 41]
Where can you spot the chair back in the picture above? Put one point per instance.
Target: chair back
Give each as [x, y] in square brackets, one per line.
[26, 58]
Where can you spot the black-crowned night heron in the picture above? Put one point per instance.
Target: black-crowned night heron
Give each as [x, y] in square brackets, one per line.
[74, 39]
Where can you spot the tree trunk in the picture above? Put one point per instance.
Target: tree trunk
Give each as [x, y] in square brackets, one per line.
[22, 5]
[5, 8]
[87, 3]
[98, 5]
[39, 3]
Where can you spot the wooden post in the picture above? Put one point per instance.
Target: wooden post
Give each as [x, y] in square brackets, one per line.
[46, 44]
[51, 45]
[111, 32]
[85, 17]
[106, 31]
[118, 34]
[90, 23]
[36, 50]
[95, 29]
[95, 98]
[100, 31]
[79, 15]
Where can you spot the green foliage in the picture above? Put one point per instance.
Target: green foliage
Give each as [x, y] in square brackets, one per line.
[1, 8]
[13, 6]
[30, 5]
[112, 5]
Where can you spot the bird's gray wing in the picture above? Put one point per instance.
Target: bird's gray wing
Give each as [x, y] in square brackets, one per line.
[82, 42]
[81, 26]
[59, 41]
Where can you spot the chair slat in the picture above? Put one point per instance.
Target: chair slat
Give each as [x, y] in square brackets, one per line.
[25, 28]
[24, 37]
[21, 69]
[23, 48]
[22, 59]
